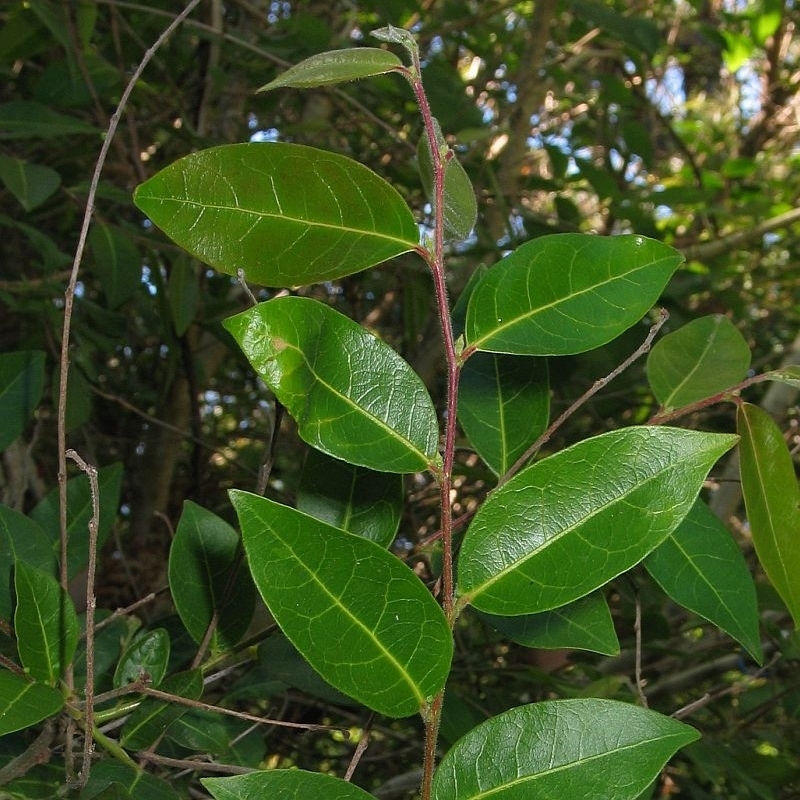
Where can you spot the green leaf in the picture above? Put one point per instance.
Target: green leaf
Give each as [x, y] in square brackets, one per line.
[351, 395]
[283, 784]
[30, 183]
[79, 512]
[336, 66]
[21, 383]
[584, 624]
[351, 498]
[567, 293]
[45, 624]
[360, 617]
[701, 568]
[700, 359]
[24, 703]
[460, 205]
[285, 214]
[147, 723]
[21, 539]
[137, 784]
[571, 522]
[503, 406]
[25, 119]
[184, 295]
[561, 749]
[789, 375]
[208, 577]
[117, 263]
[772, 501]
[146, 657]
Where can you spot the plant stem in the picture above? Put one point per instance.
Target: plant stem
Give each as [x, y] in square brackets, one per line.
[435, 258]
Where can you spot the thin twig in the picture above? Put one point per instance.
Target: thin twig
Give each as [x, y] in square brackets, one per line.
[599, 384]
[361, 747]
[195, 764]
[69, 299]
[637, 669]
[91, 603]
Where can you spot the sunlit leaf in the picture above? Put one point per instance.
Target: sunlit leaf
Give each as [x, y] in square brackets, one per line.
[351, 395]
[45, 624]
[503, 406]
[208, 578]
[336, 66]
[584, 624]
[573, 521]
[698, 360]
[567, 293]
[21, 384]
[772, 501]
[561, 749]
[351, 498]
[285, 214]
[24, 703]
[701, 567]
[360, 616]
[285, 784]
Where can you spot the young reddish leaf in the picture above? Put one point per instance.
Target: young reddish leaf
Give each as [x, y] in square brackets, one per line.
[567, 293]
[588, 748]
[698, 360]
[701, 567]
[336, 66]
[573, 521]
[284, 214]
[358, 615]
[351, 395]
[772, 501]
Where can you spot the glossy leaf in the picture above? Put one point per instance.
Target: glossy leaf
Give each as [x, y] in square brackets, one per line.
[285, 214]
[351, 498]
[24, 703]
[571, 522]
[208, 578]
[503, 406]
[567, 293]
[561, 749]
[146, 657]
[147, 723]
[584, 624]
[336, 66]
[136, 783]
[460, 205]
[117, 263]
[772, 501]
[21, 539]
[360, 617]
[45, 624]
[701, 567]
[351, 395]
[286, 784]
[21, 384]
[31, 184]
[698, 360]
